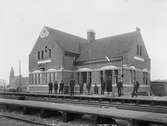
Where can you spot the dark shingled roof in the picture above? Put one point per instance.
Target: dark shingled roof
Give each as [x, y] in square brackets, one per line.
[110, 46]
[66, 41]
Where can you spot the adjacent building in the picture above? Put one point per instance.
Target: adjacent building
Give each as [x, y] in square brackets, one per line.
[57, 55]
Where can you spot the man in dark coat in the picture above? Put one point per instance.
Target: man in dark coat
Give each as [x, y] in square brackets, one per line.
[119, 88]
[102, 86]
[50, 87]
[88, 86]
[72, 85]
[136, 85]
[61, 89]
[55, 87]
[96, 89]
[81, 88]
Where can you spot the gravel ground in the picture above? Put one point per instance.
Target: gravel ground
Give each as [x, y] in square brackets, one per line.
[55, 121]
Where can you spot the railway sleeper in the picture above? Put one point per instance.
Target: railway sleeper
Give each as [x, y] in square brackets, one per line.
[49, 113]
[67, 116]
[104, 120]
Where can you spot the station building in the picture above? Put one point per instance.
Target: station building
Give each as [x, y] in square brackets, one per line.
[57, 55]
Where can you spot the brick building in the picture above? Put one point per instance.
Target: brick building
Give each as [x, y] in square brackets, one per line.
[57, 55]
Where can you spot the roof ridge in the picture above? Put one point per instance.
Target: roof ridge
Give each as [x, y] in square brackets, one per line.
[118, 35]
[52, 29]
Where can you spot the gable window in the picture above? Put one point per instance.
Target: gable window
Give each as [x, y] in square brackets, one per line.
[42, 53]
[49, 53]
[140, 50]
[38, 54]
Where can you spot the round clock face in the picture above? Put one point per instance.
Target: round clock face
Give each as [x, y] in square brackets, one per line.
[44, 33]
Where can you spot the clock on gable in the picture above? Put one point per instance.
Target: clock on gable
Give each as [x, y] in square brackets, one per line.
[44, 33]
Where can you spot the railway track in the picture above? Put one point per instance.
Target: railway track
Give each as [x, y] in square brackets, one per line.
[130, 105]
[24, 120]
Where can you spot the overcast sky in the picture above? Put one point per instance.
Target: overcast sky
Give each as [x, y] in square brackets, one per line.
[22, 20]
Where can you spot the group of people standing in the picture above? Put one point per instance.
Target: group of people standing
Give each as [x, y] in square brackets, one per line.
[84, 88]
[54, 86]
[60, 88]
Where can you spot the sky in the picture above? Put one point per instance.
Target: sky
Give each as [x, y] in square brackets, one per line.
[22, 20]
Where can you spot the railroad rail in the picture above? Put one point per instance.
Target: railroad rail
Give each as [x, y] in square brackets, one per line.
[137, 104]
[145, 101]
[24, 120]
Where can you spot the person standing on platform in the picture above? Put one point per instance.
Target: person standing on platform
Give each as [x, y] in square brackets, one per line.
[81, 88]
[61, 89]
[50, 87]
[119, 88]
[136, 85]
[96, 89]
[84, 88]
[55, 87]
[88, 86]
[72, 85]
[102, 87]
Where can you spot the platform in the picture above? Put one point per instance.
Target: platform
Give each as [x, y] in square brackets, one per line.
[82, 109]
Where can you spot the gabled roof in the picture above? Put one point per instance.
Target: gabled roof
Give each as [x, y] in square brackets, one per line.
[67, 42]
[112, 46]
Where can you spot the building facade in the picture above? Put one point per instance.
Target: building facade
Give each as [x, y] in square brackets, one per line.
[61, 56]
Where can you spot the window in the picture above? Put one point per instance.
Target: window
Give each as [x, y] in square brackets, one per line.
[49, 53]
[35, 78]
[140, 50]
[42, 53]
[38, 54]
[145, 76]
[50, 77]
[116, 75]
[38, 78]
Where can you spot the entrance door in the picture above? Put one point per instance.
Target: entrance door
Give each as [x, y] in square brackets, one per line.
[108, 74]
[84, 77]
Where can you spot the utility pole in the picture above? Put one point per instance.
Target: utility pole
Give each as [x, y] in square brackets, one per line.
[20, 85]
[122, 74]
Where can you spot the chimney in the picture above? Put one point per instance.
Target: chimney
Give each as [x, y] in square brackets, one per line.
[137, 29]
[90, 36]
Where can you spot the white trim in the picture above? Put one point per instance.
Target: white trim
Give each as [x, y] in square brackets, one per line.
[44, 61]
[108, 67]
[138, 58]
[38, 85]
[52, 70]
[35, 71]
[84, 69]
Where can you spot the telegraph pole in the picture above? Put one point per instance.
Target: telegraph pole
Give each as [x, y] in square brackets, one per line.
[20, 85]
